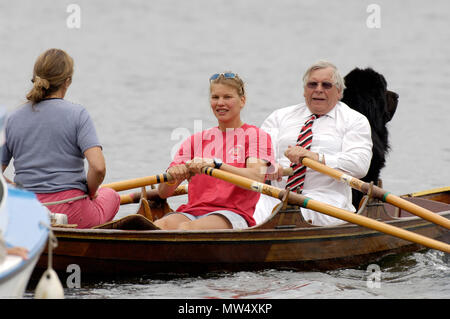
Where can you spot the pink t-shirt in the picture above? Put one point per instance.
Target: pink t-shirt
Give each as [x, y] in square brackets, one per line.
[208, 194]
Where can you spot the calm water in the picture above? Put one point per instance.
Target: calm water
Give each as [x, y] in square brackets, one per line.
[417, 275]
[142, 70]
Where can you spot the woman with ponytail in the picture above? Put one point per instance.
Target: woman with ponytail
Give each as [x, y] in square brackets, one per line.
[49, 138]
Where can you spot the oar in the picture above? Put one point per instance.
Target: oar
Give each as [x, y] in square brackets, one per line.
[152, 194]
[149, 180]
[333, 211]
[378, 192]
[139, 182]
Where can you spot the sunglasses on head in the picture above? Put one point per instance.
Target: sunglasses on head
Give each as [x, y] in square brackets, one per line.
[225, 75]
[325, 85]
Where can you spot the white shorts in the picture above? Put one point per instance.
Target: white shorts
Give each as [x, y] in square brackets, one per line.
[236, 220]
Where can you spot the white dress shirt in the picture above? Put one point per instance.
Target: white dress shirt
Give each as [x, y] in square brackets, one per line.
[343, 135]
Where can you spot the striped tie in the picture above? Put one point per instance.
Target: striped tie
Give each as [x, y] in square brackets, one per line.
[296, 180]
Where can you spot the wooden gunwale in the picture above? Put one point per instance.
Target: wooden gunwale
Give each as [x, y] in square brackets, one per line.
[224, 235]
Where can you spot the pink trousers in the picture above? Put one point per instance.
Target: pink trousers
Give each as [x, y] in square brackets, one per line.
[85, 212]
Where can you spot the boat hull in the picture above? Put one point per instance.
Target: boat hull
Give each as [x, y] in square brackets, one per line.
[13, 286]
[284, 241]
[120, 252]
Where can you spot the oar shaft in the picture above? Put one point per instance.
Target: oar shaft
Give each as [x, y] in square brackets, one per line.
[152, 194]
[336, 212]
[149, 180]
[378, 192]
[139, 182]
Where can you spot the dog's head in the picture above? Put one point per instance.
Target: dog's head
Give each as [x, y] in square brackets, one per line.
[366, 92]
[392, 102]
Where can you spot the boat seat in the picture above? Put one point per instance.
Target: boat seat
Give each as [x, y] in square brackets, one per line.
[290, 217]
[373, 208]
[130, 222]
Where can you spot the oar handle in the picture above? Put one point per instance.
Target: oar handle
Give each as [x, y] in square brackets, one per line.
[139, 182]
[152, 194]
[298, 199]
[151, 180]
[377, 192]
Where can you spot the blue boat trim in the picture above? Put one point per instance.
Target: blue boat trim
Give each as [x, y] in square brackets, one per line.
[25, 215]
[36, 251]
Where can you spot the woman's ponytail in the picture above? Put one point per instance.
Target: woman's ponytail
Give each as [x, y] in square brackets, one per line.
[51, 70]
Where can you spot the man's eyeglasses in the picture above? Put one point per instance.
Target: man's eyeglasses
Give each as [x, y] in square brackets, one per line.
[314, 85]
[225, 75]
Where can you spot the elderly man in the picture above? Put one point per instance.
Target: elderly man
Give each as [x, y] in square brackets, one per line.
[323, 129]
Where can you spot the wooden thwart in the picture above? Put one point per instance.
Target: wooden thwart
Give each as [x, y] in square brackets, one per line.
[130, 222]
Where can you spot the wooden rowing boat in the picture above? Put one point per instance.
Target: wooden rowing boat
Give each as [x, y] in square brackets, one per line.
[131, 245]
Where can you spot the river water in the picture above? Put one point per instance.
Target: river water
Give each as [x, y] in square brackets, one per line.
[142, 69]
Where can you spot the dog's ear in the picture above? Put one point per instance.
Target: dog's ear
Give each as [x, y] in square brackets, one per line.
[392, 102]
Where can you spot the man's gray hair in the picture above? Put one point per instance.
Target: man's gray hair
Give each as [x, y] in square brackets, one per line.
[322, 64]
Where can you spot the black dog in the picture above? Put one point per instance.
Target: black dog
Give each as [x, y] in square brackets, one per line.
[366, 92]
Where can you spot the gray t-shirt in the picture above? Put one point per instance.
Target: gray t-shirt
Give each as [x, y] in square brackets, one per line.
[47, 144]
